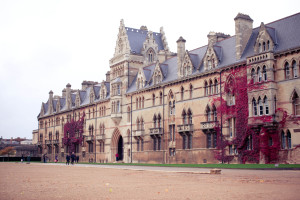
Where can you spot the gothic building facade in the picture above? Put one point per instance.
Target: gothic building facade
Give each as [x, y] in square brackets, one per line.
[235, 100]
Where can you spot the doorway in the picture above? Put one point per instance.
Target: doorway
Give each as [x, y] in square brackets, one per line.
[120, 148]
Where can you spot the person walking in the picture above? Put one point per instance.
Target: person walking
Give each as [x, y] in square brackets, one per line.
[28, 158]
[67, 160]
[56, 160]
[72, 158]
[77, 159]
[117, 156]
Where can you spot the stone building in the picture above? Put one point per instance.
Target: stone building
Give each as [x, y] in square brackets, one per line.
[234, 100]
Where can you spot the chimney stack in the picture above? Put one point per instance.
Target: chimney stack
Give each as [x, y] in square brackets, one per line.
[180, 52]
[243, 31]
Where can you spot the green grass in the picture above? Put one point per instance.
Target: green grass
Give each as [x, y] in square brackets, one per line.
[224, 166]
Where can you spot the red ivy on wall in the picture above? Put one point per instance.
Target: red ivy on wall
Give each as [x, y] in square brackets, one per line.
[261, 136]
[73, 133]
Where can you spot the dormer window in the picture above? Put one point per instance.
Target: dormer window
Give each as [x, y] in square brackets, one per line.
[150, 54]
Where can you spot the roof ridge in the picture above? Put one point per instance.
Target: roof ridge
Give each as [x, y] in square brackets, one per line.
[141, 31]
[283, 18]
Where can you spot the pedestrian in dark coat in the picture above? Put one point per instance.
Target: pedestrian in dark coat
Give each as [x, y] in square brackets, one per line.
[67, 160]
[77, 159]
[73, 158]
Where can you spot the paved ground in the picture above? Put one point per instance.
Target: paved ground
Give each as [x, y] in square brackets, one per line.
[58, 181]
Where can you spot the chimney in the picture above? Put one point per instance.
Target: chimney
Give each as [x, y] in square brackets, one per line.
[51, 95]
[68, 96]
[243, 31]
[180, 52]
[212, 38]
[84, 85]
[64, 93]
[108, 76]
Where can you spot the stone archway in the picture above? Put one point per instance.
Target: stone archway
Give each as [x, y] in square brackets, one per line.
[117, 145]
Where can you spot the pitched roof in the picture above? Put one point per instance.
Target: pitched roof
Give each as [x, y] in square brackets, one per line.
[137, 37]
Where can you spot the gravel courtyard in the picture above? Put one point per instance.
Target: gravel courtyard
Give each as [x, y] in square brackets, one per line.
[50, 181]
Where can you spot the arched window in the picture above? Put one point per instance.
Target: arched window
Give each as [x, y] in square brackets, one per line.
[268, 45]
[294, 69]
[264, 46]
[150, 55]
[259, 74]
[173, 107]
[254, 107]
[283, 140]
[142, 124]
[266, 105]
[153, 99]
[118, 89]
[211, 87]
[208, 114]
[296, 104]
[260, 106]
[287, 70]
[289, 139]
[182, 92]
[159, 121]
[170, 108]
[253, 75]
[190, 117]
[140, 102]
[205, 88]
[143, 100]
[184, 117]
[160, 98]
[154, 121]
[138, 124]
[259, 48]
[214, 110]
[264, 73]
[128, 114]
[191, 91]
[216, 86]
[118, 107]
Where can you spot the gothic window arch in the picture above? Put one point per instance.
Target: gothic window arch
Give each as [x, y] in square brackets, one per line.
[128, 114]
[136, 103]
[260, 107]
[254, 107]
[182, 92]
[296, 104]
[289, 139]
[264, 73]
[266, 106]
[160, 98]
[264, 46]
[153, 99]
[154, 121]
[142, 125]
[211, 87]
[150, 55]
[259, 48]
[205, 88]
[287, 70]
[184, 117]
[216, 86]
[259, 74]
[191, 91]
[230, 93]
[253, 75]
[294, 69]
[143, 101]
[268, 45]
[159, 121]
[214, 112]
[283, 140]
[208, 114]
[190, 116]
[138, 124]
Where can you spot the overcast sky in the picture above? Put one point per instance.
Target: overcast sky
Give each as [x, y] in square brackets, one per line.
[46, 44]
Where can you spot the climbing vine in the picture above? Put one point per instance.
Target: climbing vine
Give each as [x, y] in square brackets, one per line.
[250, 140]
[73, 133]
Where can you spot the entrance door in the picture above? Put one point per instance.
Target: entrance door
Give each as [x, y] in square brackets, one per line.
[120, 148]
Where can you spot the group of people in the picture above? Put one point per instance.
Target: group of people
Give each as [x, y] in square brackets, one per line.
[73, 158]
